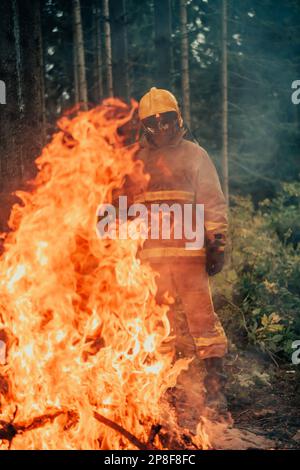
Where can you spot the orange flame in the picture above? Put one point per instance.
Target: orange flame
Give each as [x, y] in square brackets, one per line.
[78, 313]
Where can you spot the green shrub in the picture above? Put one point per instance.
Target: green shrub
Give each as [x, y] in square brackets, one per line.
[261, 284]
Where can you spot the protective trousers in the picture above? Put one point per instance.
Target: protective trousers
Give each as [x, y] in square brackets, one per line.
[193, 321]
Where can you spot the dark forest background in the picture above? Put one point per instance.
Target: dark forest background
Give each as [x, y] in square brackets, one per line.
[55, 53]
[231, 64]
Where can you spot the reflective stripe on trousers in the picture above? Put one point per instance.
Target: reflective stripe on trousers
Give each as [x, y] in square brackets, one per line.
[188, 282]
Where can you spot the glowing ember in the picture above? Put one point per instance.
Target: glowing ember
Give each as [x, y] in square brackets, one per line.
[81, 326]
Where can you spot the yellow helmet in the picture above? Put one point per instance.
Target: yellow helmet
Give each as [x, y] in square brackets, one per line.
[158, 101]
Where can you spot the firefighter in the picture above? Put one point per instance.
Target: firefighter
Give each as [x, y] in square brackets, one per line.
[181, 172]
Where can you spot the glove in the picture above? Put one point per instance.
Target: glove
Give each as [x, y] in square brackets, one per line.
[215, 255]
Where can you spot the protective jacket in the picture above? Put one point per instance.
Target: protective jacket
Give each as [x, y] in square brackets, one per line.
[180, 173]
[183, 173]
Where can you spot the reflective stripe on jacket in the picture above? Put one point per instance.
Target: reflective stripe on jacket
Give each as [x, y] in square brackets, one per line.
[179, 173]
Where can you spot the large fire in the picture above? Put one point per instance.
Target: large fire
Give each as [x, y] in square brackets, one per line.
[78, 315]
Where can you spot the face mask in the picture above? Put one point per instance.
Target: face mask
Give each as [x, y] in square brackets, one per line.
[161, 123]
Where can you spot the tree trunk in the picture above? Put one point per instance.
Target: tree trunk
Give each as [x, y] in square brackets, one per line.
[98, 67]
[163, 45]
[21, 118]
[42, 75]
[82, 84]
[119, 48]
[10, 112]
[33, 125]
[108, 54]
[185, 72]
[75, 65]
[225, 102]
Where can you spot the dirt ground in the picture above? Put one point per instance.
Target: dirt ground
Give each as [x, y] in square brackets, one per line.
[263, 401]
[264, 398]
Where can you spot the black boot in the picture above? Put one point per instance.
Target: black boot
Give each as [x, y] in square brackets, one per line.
[215, 382]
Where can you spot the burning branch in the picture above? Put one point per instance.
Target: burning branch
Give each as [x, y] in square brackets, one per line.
[10, 429]
[116, 427]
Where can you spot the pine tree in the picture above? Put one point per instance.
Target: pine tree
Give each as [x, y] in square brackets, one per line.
[79, 47]
[163, 44]
[97, 50]
[108, 51]
[185, 73]
[225, 103]
[119, 48]
[11, 76]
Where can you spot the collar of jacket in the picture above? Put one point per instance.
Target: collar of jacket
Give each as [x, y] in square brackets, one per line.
[173, 143]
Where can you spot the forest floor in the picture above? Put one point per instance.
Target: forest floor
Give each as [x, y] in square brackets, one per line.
[264, 398]
[263, 402]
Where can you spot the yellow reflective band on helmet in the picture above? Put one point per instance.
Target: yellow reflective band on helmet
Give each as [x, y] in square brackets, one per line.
[215, 227]
[186, 196]
[170, 251]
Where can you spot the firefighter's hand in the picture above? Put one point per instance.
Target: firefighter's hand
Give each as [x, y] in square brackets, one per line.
[215, 256]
